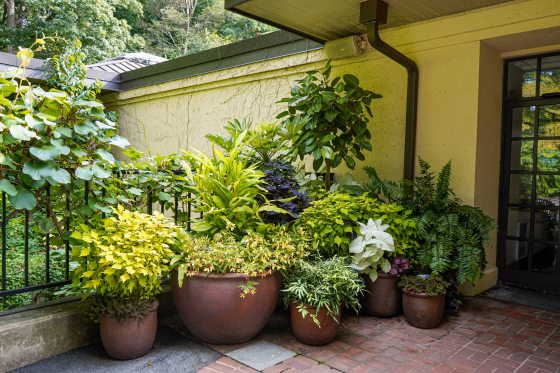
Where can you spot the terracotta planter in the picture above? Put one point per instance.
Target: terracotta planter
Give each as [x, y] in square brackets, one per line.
[306, 331]
[422, 310]
[129, 339]
[383, 298]
[212, 309]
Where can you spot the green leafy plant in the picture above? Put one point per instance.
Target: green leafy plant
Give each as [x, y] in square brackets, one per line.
[323, 283]
[263, 143]
[255, 254]
[52, 137]
[124, 261]
[368, 248]
[335, 116]
[229, 192]
[332, 223]
[453, 234]
[432, 285]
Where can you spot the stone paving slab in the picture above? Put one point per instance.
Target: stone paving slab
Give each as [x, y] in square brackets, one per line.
[172, 353]
[261, 355]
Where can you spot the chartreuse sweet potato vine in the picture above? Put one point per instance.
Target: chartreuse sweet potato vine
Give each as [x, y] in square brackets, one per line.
[126, 258]
[255, 254]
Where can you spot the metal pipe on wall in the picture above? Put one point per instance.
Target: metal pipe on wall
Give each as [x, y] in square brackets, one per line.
[373, 13]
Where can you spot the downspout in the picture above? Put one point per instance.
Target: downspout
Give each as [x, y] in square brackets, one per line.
[373, 13]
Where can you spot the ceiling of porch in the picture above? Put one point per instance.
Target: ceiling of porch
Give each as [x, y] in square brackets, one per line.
[326, 20]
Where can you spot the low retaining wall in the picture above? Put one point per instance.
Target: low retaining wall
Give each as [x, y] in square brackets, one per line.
[30, 336]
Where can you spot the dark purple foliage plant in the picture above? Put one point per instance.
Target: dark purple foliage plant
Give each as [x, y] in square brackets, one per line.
[282, 189]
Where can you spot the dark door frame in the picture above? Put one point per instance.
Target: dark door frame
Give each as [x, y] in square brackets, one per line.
[518, 278]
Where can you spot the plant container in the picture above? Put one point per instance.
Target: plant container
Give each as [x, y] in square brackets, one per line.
[131, 338]
[383, 297]
[212, 308]
[423, 310]
[306, 331]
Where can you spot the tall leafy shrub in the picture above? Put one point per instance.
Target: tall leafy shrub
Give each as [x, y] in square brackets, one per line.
[334, 114]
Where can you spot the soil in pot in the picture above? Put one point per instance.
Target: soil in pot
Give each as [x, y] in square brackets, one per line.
[306, 331]
[383, 298]
[213, 310]
[422, 310]
[129, 339]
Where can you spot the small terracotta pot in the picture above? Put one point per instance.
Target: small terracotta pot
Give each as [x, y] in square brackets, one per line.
[383, 297]
[212, 309]
[423, 310]
[129, 339]
[306, 331]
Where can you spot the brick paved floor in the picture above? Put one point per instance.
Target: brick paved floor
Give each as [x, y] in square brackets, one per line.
[488, 336]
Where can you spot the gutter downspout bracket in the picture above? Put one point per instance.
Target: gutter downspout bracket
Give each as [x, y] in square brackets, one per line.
[372, 14]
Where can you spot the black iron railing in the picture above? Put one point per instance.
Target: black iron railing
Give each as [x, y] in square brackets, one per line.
[28, 261]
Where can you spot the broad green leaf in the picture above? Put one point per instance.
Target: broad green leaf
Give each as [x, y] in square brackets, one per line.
[162, 196]
[21, 133]
[100, 172]
[7, 187]
[84, 173]
[45, 153]
[23, 199]
[45, 225]
[119, 142]
[60, 175]
[106, 156]
[36, 170]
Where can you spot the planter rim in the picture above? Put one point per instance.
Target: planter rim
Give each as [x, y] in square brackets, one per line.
[420, 295]
[153, 308]
[309, 308]
[229, 275]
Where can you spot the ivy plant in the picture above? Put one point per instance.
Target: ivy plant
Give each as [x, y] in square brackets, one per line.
[335, 117]
[53, 135]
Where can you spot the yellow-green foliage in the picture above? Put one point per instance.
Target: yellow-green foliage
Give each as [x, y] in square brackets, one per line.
[126, 257]
[332, 223]
[254, 254]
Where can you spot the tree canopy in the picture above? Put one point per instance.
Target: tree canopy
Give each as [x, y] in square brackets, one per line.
[108, 28]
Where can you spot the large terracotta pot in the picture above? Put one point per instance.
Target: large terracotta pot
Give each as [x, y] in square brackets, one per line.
[383, 297]
[212, 309]
[129, 339]
[422, 310]
[306, 331]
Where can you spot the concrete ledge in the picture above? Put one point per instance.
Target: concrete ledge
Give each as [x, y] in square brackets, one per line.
[29, 336]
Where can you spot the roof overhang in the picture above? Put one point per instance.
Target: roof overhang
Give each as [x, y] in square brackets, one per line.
[35, 72]
[326, 20]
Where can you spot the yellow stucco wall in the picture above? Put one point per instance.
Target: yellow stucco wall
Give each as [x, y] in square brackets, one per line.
[460, 63]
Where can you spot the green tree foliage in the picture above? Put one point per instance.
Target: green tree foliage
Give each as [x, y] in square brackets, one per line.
[173, 28]
[103, 26]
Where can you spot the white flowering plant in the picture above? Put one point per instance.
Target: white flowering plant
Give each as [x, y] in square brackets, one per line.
[368, 248]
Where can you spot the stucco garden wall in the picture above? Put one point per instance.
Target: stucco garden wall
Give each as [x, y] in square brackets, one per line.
[459, 108]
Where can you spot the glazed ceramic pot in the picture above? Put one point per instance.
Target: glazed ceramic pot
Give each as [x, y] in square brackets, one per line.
[129, 339]
[212, 309]
[423, 310]
[306, 331]
[383, 297]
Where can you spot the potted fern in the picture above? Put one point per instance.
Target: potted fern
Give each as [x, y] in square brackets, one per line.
[315, 292]
[119, 270]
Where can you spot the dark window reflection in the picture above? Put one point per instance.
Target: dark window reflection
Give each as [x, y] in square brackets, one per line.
[522, 77]
[550, 75]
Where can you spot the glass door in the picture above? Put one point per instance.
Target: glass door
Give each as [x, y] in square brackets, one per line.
[529, 239]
